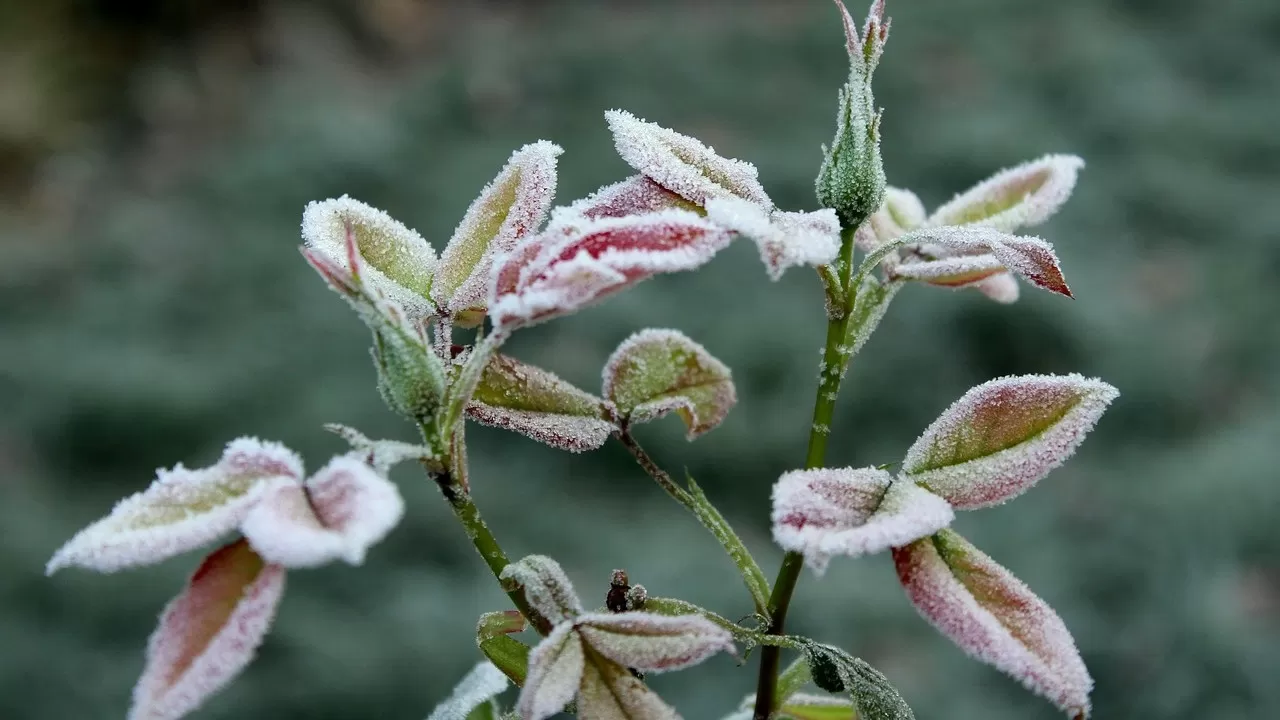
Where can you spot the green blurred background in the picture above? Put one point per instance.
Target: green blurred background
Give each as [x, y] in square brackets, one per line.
[154, 161]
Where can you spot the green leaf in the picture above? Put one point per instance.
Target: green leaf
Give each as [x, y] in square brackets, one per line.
[836, 671]
[524, 398]
[818, 707]
[657, 371]
[508, 655]
[869, 307]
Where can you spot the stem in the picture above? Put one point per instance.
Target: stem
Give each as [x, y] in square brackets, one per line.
[651, 467]
[835, 359]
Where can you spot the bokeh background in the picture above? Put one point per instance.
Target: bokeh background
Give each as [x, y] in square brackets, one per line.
[154, 161]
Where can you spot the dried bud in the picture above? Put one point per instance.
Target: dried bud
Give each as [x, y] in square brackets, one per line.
[536, 403]
[616, 599]
[656, 371]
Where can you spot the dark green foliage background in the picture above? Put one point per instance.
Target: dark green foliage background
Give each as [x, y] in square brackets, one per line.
[156, 161]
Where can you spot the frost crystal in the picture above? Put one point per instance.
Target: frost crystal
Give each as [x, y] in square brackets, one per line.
[994, 617]
[209, 633]
[482, 684]
[509, 209]
[636, 195]
[547, 587]
[654, 643]
[399, 263]
[534, 402]
[654, 372]
[181, 510]
[826, 512]
[339, 512]
[1016, 197]
[568, 268]
[961, 255]
[683, 164]
[785, 239]
[1003, 436]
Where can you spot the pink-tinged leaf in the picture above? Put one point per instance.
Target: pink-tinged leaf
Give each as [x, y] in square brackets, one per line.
[182, 509]
[610, 692]
[785, 239]
[546, 586]
[683, 164]
[569, 267]
[209, 633]
[339, 513]
[653, 643]
[954, 271]
[994, 617]
[1003, 436]
[1016, 197]
[556, 668]
[825, 512]
[534, 402]
[508, 210]
[482, 684]
[1032, 258]
[1001, 287]
[817, 707]
[654, 372]
[636, 195]
[397, 262]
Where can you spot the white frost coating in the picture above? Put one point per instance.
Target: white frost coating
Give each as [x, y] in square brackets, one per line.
[339, 513]
[381, 455]
[573, 433]
[181, 510]
[1015, 197]
[546, 586]
[785, 239]
[511, 207]
[611, 692]
[995, 618]
[682, 164]
[207, 634]
[1003, 436]
[398, 263]
[954, 271]
[483, 683]
[1001, 287]
[636, 195]
[654, 643]
[1030, 257]
[825, 512]
[556, 668]
[657, 371]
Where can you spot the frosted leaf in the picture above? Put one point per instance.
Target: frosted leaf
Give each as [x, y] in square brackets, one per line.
[509, 655]
[869, 307]
[398, 263]
[182, 509]
[785, 239]
[954, 271]
[209, 633]
[636, 195]
[836, 671]
[556, 668]
[1001, 287]
[1030, 257]
[653, 643]
[803, 706]
[1003, 436]
[610, 692]
[339, 513]
[546, 586]
[826, 512]
[483, 683]
[509, 209]
[654, 372]
[381, 455]
[1016, 197]
[568, 268]
[683, 164]
[994, 617]
[534, 402]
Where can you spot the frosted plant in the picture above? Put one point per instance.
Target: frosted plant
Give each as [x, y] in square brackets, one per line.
[517, 259]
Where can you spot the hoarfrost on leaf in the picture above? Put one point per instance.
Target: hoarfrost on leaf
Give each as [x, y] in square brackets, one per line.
[654, 372]
[1003, 436]
[785, 239]
[209, 633]
[182, 509]
[556, 668]
[547, 587]
[482, 684]
[610, 692]
[654, 643]
[836, 671]
[982, 252]
[636, 195]
[803, 706]
[994, 617]
[1015, 197]
[381, 455]
[514, 395]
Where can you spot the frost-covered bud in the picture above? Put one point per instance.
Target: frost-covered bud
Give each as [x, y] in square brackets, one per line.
[851, 180]
[654, 372]
[411, 378]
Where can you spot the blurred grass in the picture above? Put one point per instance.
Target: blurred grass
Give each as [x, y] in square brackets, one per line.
[152, 306]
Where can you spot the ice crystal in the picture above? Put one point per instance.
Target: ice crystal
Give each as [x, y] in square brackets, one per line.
[547, 587]
[534, 402]
[209, 633]
[785, 239]
[682, 164]
[994, 617]
[654, 372]
[1003, 436]
[182, 509]
[1015, 197]
[482, 684]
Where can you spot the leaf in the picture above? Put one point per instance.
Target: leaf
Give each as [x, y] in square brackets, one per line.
[818, 707]
[1015, 197]
[209, 633]
[493, 635]
[826, 512]
[752, 576]
[610, 692]
[1003, 436]
[399, 264]
[899, 212]
[785, 239]
[483, 683]
[569, 267]
[546, 586]
[556, 668]
[1001, 287]
[683, 164]
[181, 510]
[650, 642]
[869, 307]
[508, 209]
[1030, 257]
[534, 402]
[636, 195]
[381, 455]
[835, 670]
[339, 513]
[994, 617]
[654, 372]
